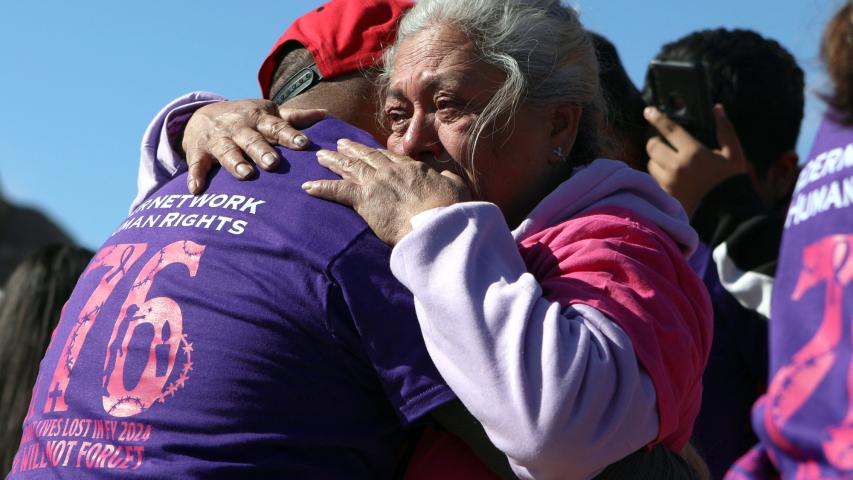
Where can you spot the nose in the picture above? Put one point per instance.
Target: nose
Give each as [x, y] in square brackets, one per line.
[421, 140]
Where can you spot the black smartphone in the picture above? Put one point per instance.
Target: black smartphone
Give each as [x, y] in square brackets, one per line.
[682, 91]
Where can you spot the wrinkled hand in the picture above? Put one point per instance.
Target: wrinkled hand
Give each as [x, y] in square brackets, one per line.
[224, 131]
[386, 189]
[686, 168]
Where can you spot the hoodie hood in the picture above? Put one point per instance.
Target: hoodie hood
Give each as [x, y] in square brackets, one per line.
[610, 183]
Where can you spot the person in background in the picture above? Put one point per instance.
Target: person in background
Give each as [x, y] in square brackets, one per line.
[737, 197]
[748, 76]
[625, 132]
[34, 296]
[805, 420]
[22, 231]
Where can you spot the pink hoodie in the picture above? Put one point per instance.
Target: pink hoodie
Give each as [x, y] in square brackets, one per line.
[625, 267]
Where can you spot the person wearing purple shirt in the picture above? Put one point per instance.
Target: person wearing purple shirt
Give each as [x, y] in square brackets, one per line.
[249, 332]
[736, 193]
[805, 420]
[296, 373]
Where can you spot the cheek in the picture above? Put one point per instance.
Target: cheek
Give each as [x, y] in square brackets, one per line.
[455, 141]
[455, 156]
[507, 168]
[492, 166]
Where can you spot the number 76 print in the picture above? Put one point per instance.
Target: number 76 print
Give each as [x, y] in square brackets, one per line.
[162, 313]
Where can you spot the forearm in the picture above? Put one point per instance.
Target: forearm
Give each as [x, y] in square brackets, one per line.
[159, 159]
[558, 390]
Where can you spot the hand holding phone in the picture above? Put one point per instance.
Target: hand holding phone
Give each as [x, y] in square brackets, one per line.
[684, 167]
[681, 90]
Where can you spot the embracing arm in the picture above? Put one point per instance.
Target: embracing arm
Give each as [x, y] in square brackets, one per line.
[559, 391]
[197, 130]
[159, 159]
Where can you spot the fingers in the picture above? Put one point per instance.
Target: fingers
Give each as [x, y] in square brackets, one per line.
[280, 131]
[677, 136]
[730, 146]
[230, 157]
[257, 148]
[397, 157]
[285, 130]
[340, 191]
[349, 168]
[664, 163]
[374, 157]
[662, 175]
[659, 151]
[199, 164]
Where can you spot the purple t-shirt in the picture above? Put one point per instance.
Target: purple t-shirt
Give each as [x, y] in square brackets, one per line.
[733, 378]
[252, 331]
[805, 421]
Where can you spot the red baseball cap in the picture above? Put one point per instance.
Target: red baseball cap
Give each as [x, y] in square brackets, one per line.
[342, 35]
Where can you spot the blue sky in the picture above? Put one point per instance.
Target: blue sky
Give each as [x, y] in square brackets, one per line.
[81, 80]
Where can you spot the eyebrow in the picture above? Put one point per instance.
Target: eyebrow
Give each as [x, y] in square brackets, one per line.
[433, 82]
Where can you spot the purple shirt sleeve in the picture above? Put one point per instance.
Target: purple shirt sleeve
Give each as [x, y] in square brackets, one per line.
[383, 316]
[158, 160]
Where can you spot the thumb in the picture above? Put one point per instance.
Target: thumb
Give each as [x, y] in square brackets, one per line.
[727, 138]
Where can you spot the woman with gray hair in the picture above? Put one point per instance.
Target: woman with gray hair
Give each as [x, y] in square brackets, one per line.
[580, 336]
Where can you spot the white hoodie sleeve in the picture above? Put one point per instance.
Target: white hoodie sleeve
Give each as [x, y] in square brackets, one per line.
[158, 160]
[558, 390]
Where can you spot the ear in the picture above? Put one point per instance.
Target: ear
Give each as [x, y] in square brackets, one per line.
[565, 120]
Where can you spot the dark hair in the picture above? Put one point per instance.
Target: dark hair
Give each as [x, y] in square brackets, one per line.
[836, 51]
[29, 310]
[624, 102]
[758, 82]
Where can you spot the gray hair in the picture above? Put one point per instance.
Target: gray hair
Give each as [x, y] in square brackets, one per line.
[541, 46]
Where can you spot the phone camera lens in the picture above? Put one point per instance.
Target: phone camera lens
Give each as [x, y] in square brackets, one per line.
[677, 105]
